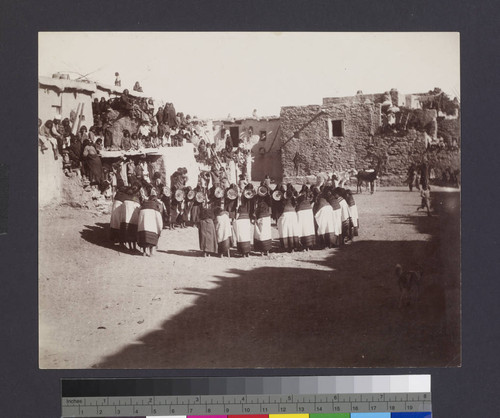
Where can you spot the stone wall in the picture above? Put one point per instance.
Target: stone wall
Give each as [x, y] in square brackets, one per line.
[396, 152]
[305, 137]
[448, 129]
[358, 99]
[308, 149]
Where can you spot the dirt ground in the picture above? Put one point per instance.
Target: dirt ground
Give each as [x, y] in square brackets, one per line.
[103, 308]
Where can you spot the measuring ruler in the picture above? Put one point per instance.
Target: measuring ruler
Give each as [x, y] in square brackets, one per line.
[347, 395]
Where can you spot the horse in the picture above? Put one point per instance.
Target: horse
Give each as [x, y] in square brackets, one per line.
[342, 177]
[368, 176]
[323, 178]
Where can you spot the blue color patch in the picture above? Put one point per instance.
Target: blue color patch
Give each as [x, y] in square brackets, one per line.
[411, 415]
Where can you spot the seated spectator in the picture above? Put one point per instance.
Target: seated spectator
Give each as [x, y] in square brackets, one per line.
[144, 130]
[45, 132]
[135, 144]
[155, 141]
[93, 134]
[55, 132]
[42, 140]
[147, 141]
[75, 150]
[66, 132]
[154, 127]
[66, 162]
[167, 141]
[126, 141]
[83, 134]
[98, 145]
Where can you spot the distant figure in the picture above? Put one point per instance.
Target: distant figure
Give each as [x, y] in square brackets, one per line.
[424, 175]
[297, 159]
[137, 87]
[411, 176]
[118, 81]
[425, 194]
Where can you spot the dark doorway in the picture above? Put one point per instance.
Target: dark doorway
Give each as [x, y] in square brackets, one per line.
[234, 131]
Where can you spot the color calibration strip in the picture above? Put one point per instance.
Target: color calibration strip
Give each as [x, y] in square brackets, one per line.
[237, 397]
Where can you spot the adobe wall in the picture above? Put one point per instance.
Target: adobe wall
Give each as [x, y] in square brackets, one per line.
[67, 101]
[266, 161]
[50, 179]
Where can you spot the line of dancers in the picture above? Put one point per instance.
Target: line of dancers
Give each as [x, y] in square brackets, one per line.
[314, 217]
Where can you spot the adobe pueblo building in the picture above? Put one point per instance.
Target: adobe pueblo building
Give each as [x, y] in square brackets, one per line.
[387, 131]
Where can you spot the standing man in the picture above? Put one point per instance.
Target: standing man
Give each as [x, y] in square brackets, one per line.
[411, 176]
[424, 174]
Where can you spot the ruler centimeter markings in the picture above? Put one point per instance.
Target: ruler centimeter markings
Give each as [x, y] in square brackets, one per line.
[245, 404]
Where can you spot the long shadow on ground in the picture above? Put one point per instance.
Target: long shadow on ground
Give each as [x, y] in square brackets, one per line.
[343, 316]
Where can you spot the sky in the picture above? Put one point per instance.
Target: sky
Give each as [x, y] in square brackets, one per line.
[213, 74]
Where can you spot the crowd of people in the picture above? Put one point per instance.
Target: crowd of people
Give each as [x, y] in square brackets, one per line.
[78, 152]
[233, 215]
[80, 149]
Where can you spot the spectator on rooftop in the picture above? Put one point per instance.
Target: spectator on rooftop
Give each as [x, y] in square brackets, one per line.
[108, 135]
[159, 116]
[55, 132]
[118, 81]
[66, 132]
[42, 141]
[95, 106]
[103, 106]
[151, 108]
[137, 87]
[126, 103]
[169, 116]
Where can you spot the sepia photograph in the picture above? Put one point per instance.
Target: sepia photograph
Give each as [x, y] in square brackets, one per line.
[249, 200]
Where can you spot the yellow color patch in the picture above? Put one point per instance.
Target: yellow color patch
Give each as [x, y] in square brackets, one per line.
[288, 415]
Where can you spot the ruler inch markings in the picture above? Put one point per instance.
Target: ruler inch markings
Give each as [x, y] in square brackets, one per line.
[135, 406]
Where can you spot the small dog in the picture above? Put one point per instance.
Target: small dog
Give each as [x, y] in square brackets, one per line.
[409, 285]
